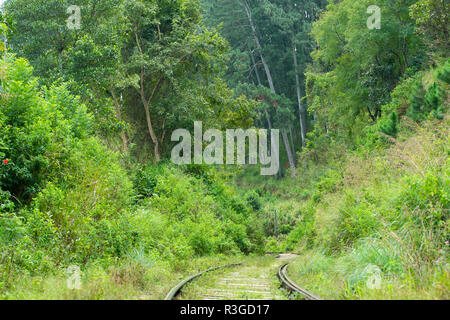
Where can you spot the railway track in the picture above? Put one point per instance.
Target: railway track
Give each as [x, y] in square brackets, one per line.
[291, 285]
[240, 285]
[177, 289]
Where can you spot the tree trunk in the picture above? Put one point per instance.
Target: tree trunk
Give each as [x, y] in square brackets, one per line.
[268, 119]
[119, 116]
[150, 127]
[247, 9]
[289, 152]
[258, 78]
[60, 63]
[258, 44]
[146, 104]
[152, 133]
[269, 122]
[301, 109]
[292, 143]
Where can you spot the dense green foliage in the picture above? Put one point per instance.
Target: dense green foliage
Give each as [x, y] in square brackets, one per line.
[140, 66]
[66, 198]
[83, 199]
[373, 188]
[86, 117]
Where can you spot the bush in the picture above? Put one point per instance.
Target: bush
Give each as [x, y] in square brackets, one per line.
[443, 73]
[79, 190]
[390, 125]
[86, 201]
[145, 180]
[427, 199]
[304, 232]
[254, 200]
[184, 218]
[357, 219]
[36, 132]
[430, 100]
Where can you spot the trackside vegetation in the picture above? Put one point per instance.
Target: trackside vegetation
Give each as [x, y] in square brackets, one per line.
[86, 117]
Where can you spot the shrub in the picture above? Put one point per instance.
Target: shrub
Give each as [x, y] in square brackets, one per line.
[37, 132]
[430, 100]
[145, 180]
[304, 232]
[443, 73]
[86, 201]
[184, 218]
[390, 125]
[357, 219]
[254, 200]
[427, 199]
[6, 205]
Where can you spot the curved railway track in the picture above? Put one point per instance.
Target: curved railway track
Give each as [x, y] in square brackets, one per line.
[177, 289]
[286, 282]
[291, 285]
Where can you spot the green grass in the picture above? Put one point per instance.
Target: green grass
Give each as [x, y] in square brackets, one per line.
[385, 209]
[330, 278]
[119, 280]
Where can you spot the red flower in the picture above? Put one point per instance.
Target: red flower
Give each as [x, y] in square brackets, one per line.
[5, 161]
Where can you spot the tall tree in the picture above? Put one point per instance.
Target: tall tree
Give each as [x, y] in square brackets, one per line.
[355, 68]
[144, 67]
[275, 35]
[87, 57]
[176, 61]
[248, 12]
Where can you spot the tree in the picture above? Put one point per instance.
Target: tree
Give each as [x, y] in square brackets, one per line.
[132, 60]
[41, 32]
[431, 17]
[175, 59]
[86, 58]
[356, 68]
[271, 44]
[294, 21]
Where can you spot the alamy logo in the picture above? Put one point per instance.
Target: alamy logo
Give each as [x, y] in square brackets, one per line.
[373, 277]
[74, 20]
[235, 151]
[74, 278]
[374, 21]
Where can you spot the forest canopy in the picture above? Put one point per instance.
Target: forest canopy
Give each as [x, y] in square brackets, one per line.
[92, 90]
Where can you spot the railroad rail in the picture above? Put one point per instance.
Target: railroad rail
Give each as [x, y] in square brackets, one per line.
[177, 289]
[291, 285]
[282, 276]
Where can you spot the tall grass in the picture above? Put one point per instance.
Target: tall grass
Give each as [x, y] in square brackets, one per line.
[385, 211]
